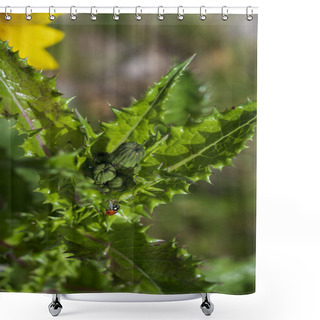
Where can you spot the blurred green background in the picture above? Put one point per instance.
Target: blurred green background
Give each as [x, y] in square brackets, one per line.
[106, 63]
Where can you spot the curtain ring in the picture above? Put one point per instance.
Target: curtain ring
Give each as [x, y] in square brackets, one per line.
[116, 15]
[138, 16]
[51, 16]
[224, 13]
[6, 15]
[249, 16]
[93, 16]
[73, 15]
[28, 13]
[160, 15]
[203, 13]
[180, 13]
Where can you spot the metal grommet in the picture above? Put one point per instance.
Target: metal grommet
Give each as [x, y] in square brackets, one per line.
[28, 13]
[249, 16]
[180, 14]
[224, 13]
[203, 13]
[160, 15]
[6, 14]
[93, 16]
[116, 15]
[51, 16]
[138, 16]
[73, 15]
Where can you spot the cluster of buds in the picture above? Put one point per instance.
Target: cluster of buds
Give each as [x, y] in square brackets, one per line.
[115, 171]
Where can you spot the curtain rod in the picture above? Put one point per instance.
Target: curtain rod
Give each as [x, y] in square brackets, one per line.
[163, 10]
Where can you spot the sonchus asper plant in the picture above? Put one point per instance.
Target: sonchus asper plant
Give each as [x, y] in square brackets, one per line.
[84, 234]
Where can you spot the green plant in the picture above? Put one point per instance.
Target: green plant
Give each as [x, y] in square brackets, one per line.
[138, 161]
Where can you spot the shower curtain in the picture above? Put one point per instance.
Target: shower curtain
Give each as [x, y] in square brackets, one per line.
[128, 153]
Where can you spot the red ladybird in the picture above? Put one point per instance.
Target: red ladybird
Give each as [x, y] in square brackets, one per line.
[110, 212]
[113, 209]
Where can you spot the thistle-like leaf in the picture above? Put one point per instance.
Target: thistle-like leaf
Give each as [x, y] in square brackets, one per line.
[188, 102]
[137, 123]
[191, 150]
[189, 153]
[149, 265]
[37, 106]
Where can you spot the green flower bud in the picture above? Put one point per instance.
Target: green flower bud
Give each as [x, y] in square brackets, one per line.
[104, 188]
[103, 173]
[128, 155]
[116, 183]
[129, 171]
[136, 169]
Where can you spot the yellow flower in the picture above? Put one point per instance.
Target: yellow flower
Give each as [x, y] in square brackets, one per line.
[31, 38]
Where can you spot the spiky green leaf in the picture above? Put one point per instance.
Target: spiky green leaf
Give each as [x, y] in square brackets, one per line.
[37, 106]
[148, 265]
[191, 151]
[137, 123]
